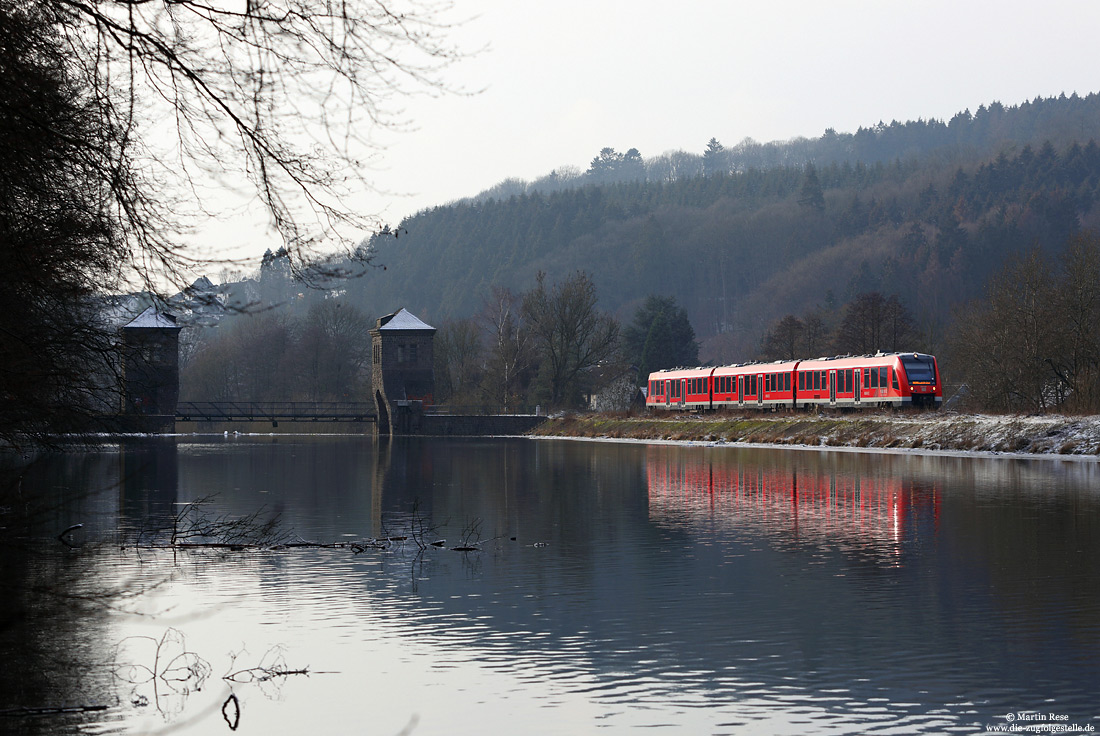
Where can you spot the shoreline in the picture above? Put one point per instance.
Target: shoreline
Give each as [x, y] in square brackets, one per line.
[961, 435]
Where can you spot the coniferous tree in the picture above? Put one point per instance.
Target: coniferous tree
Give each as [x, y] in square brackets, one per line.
[660, 336]
[811, 194]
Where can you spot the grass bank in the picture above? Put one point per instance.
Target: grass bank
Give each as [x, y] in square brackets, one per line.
[1043, 435]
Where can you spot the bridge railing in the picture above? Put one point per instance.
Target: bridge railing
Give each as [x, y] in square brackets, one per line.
[318, 411]
[479, 410]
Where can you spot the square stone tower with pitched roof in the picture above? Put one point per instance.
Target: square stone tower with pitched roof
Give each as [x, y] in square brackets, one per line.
[151, 364]
[402, 366]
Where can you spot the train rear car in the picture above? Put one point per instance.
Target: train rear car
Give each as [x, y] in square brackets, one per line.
[682, 388]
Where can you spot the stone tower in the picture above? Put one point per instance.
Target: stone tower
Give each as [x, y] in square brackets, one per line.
[403, 372]
[151, 365]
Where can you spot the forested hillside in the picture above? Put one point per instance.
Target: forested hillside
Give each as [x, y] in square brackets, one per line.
[801, 227]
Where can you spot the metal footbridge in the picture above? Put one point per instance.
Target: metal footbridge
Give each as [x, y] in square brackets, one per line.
[275, 411]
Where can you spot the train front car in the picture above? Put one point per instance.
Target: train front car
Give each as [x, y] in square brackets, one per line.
[869, 381]
[686, 389]
[920, 380]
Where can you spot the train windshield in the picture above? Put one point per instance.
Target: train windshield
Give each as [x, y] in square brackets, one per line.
[920, 369]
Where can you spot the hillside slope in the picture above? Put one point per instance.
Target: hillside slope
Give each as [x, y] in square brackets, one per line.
[816, 223]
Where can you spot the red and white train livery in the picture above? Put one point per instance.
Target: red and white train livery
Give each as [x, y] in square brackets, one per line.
[894, 379]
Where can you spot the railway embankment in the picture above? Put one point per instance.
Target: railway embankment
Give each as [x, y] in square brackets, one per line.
[1033, 435]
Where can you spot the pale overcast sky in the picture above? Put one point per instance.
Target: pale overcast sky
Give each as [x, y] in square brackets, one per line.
[563, 79]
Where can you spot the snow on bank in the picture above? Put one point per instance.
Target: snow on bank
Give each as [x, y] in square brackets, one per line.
[1077, 437]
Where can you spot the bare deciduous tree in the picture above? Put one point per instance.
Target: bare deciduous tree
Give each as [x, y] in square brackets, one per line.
[784, 341]
[509, 354]
[276, 99]
[569, 333]
[1000, 344]
[873, 322]
[458, 357]
[129, 124]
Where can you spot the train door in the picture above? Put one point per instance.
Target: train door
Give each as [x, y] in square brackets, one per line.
[683, 391]
[760, 389]
[832, 388]
[740, 390]
[859, 381]
[668, 392]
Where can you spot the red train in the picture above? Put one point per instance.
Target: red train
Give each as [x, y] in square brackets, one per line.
[894, 379]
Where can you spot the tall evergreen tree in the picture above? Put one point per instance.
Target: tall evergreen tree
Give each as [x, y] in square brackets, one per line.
[660, 336]
[811, 194]
[714, 158]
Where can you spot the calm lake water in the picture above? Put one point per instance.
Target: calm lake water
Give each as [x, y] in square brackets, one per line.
[617, 587]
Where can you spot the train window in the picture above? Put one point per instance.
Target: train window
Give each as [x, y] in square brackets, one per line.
[824, 379]
[786, 381]
[894, 380]
[919, 369]
[866, 378]
[801, 381]
[883, 382]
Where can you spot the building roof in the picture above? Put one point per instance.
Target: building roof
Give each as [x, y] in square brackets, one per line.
[151, 318]
[403, 320]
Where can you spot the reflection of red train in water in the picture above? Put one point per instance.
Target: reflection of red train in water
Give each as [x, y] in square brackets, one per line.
[895, 379]
[826, 504]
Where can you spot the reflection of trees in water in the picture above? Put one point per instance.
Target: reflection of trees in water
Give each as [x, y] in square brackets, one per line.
[56, 601]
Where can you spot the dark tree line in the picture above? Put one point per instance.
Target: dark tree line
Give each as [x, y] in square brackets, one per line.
[740, 251]
[322, 354]
[548, 345]
[1032, 342]
[870, 323]
[59, 239]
